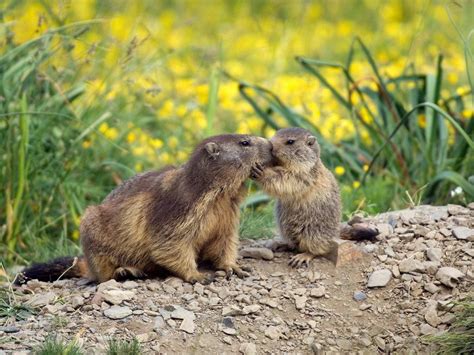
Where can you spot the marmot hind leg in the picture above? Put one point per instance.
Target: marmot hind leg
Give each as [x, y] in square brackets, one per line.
[127, 273]
[301, 259]
[183, 264]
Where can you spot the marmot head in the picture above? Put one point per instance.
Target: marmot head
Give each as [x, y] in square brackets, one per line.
[295, 148]
[229, 158]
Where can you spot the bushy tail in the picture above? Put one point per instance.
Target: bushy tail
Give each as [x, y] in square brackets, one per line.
[358, 231]
[65, 268]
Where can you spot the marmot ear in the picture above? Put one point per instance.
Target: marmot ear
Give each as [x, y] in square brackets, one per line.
[311, 140]
[212, 149]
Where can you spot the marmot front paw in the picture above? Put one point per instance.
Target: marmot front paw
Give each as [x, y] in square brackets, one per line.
[257, 171]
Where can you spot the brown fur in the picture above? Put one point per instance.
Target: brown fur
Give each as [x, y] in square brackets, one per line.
[173, 218]
[309, 206]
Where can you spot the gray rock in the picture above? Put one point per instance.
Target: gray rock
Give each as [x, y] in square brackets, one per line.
[318, 292]
[9, 329]
[229, 331]
[42, 299]
[251, 309]
[159, 323]
[434, 254]
[300, 302]
[248, 349]
[359, 296]
[464, 233]
[385, 229]
[187, 325]
[379, 278]
[181, 313]
[257, 253]
[426, 329]
[449, 276]
[117, 296]
[411, 265]
[77, 301]
[231, 311]
[117, 312]
[431, 287]
[432, 318]
[272, 332]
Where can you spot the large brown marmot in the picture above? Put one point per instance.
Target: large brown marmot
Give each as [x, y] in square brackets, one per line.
[309, 204]
[169, 219]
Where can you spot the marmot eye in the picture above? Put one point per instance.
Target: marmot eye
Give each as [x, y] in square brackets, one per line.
[290, 141]
[245, 143]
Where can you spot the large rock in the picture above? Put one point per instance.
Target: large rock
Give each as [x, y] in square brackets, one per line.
[117, 312]
[117, 296]
[42, 299]
[379, 278]
[464, 233]
[345, 252]
[411, 265]
[257, 253]
[449, 276]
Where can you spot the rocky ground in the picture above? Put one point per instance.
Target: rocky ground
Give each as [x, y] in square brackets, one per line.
[386, 300]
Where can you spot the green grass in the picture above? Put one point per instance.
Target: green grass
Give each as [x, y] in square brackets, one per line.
[257, 222]
[11, 308]
[55, 346]
[459, 339]
[123, 347]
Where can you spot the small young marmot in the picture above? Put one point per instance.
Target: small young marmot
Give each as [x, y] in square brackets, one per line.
[309, 205]
[169, 219]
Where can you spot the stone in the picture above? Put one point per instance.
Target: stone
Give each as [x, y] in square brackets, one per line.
[345, 252]
[432, 318]
[146, 337]
[231, 311]
[181, 313]
[129, 284]
[251, 309]
[117, 312]
[9, 329]
[257, 253]
[77, 301]
[426, 329]
[42, 299]
[117, 296]
[300, 302]
[431, 287]
[229, 331]
[379, 278]
[187, 325]
[159, 323]
[434, 254]
[359, 296]
[449, 276]
[318, 292]
[464, 233]
[272, 332]
[385, 229]
[410, 265]
[248, 349]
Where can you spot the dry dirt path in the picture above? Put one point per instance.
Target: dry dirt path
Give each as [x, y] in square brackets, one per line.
[383, 302]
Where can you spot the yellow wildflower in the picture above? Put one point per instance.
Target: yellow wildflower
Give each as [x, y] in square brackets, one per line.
[156, 143]
[111, 133]
[75, 235]
[131, 137]
[356, 184]
[365, 167]
[86, 144]
[173, 142]
[339, 170]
